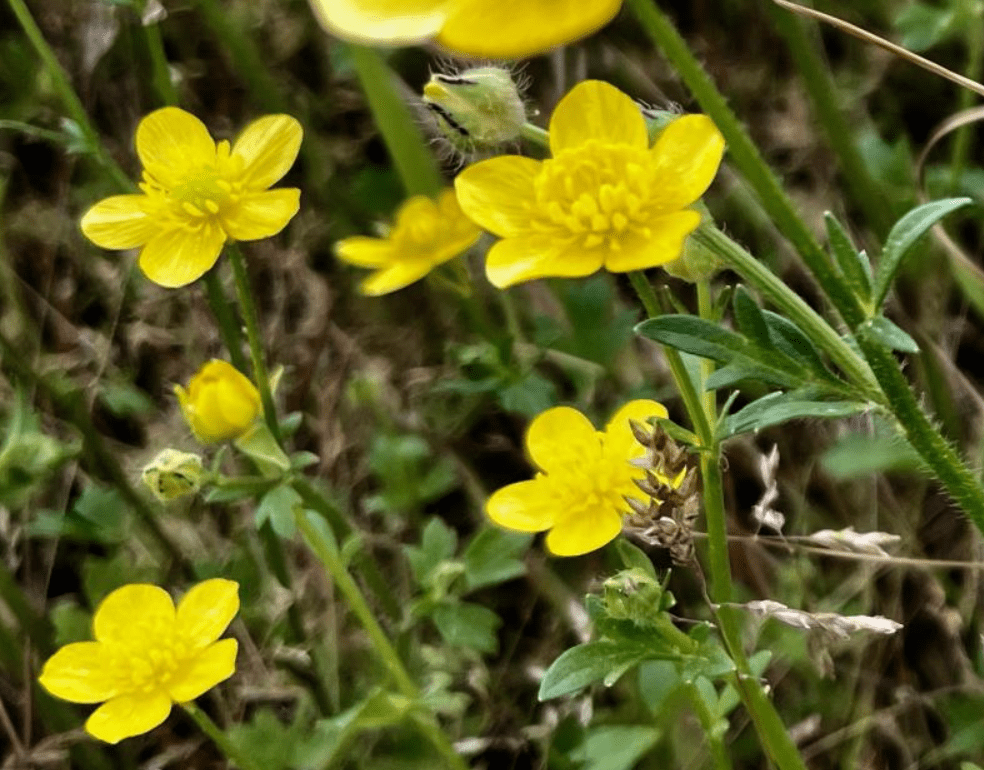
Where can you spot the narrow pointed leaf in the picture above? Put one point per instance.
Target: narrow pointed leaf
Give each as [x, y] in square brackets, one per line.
[853, 264]
[777, 408]
[888, 334]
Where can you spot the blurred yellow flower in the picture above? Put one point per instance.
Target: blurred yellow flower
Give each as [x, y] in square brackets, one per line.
[198, 194]
[220, 404]
[584, 476]
[426, 234]
[605, 198]
[147, 656]
[497, 29]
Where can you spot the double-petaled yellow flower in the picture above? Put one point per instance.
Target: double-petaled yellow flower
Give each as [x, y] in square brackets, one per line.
[197, 194]
[605, 198]
[426, 233]
[220, 403]
[147, 656]
[498, 29]
[584, 476]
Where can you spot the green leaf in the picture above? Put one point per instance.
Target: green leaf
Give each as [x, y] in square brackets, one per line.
[791, 340]
[614, 747]
[777, 408]
[437, 543]
[904, 236]
[658, 681]
[923, 26]
[528, 396]
[492, 557]
[278, 507]
[883, 331]
[586, 663]
[749, 318]
[856, 455]
[463, 624]
[634, 557]
[853, 264]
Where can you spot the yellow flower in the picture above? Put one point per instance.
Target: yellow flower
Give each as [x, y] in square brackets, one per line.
[197, 194]
[497, 29]
[220, 404]
[426, 234]
[605, 198]
[584, 476]
[146, 656]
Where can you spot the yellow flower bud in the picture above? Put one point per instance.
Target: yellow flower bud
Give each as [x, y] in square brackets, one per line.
[220, 403]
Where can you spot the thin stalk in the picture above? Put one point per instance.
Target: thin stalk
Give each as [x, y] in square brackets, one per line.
[225, 317]
[63, 87]
[219, 738]
[974, 69]
[160, 70]
[248, 308]
[327, 553]
[746, 157]
[823, 94]
[400, 131]
[685, 386]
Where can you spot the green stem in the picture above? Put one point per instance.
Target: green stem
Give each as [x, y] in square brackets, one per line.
[225, 316]
[685, 385]
[779, 294]
[327, 553]
[746, 157]
[245, 295]
[823, 94]
[63, 87]
[219, 738]
[160, 69]
[400, 131]
[975, 65]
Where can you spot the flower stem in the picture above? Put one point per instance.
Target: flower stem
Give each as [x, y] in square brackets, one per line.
[401, 133]
[225, 317]
[715, 742]
[327, 553]
[248, 308]
[219, 738]
[63, 87]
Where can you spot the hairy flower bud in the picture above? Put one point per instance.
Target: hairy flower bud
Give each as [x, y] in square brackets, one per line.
[477, 109]
[173, 474]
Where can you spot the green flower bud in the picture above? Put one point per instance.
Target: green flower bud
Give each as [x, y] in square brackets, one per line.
[173, 474]
[477, 109]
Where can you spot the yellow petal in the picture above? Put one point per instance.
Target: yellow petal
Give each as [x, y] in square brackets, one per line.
[172, 143]
[362, 251]
[665, 243]
[119, 222]
[206, 610]
[262, 214]
[619, 441]
[395, 277]
[177, 257]
[78, 673]
[686, 157]
[562, 438]
[497, 194]
[512, 29]
[390, 22]
[599, 111]
[514, 260]
[584, 533]
[214, 664]
[127, 715]
[268, 147]
[127, 612]
[527, 506]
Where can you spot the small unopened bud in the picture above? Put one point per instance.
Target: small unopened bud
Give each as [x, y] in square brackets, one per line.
[173, 474]
[696, 262]
[477, 109]
[656, 120]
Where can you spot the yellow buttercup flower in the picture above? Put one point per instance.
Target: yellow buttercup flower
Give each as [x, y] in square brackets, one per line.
[220, 404]
[197, 194]
[147, 656]
[426, 234]
[605, 198]
[497, 29]
[584, 477]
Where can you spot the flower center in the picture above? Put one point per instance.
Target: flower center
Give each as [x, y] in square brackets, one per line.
[600, 487]
[151, 663]
[596, 193]
[198, 193]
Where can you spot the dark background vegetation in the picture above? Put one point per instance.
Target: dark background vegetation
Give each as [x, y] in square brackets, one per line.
[416, 412]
